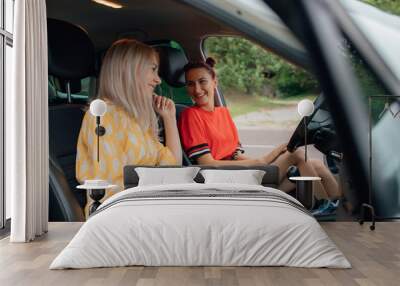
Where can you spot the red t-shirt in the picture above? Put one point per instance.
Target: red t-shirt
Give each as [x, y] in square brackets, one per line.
[205, 132]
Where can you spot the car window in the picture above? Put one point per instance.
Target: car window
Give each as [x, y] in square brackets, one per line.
[381, 25]
[261, 91]
[81, 90]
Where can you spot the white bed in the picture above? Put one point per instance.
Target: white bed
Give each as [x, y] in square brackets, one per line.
[225, 225]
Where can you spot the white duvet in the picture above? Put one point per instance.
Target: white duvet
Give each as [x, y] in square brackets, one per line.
[185, 231]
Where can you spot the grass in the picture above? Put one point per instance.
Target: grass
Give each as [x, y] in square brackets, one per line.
[239, 104]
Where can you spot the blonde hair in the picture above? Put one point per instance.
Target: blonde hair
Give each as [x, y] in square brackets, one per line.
[121, 81]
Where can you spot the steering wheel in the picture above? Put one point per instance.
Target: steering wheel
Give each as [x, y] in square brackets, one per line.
[298, 136]
[320, 132]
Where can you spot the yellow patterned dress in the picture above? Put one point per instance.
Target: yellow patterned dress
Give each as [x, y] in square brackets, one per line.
[124, 143]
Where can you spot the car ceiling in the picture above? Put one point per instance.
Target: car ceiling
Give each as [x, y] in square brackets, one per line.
[145, 20]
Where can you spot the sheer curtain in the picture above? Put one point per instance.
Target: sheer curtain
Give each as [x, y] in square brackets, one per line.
[27, 124]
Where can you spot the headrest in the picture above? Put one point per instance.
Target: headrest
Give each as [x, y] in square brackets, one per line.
[71, 52]
[172, 61]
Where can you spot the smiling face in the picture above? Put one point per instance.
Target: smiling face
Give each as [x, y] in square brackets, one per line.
[151, 78]
[201, 87]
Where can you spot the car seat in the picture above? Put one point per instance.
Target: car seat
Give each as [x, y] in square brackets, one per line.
[70, 57]
[172, 61]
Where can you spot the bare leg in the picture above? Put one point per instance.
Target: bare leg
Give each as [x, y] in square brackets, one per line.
[306, 169]
[328, 180]
[286, 185]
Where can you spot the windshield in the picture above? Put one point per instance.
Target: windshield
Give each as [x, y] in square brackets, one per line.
[382, 30]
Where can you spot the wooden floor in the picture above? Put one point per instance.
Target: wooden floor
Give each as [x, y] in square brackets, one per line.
[374, 255]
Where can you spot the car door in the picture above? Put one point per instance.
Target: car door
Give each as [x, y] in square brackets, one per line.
[320, 26]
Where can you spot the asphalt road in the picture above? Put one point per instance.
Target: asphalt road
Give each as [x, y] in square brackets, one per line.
[261, 131]
[259, 141]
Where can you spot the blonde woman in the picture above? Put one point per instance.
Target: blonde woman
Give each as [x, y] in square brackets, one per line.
[128, 76]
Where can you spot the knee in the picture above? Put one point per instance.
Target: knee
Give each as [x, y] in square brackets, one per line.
[297, 156]
[318, 165]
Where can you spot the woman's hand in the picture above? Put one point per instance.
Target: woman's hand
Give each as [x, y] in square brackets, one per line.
[274, 154]
[164, 106]
[281, 149]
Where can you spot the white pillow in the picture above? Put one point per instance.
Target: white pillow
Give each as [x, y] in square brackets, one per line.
[249, 177]
[164, 176]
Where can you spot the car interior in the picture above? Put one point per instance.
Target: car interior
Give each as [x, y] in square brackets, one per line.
[77, 41]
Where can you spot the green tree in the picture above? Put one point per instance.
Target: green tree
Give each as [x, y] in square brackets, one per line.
[245, 67]
[391, 6]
